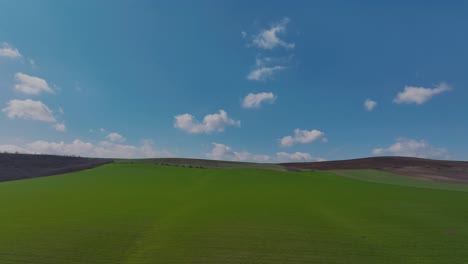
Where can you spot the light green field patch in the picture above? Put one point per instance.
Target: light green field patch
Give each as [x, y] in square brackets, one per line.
[391, 178]
[144, 213]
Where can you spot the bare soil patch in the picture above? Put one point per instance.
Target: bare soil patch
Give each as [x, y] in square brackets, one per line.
[25, 166]
[434, 170]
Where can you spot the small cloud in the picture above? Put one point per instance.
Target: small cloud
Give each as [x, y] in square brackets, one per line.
[295, 157]
[211, 123]
[9, 52]
[303, 137]
[266, 67]
[29, 109]
[243, 34]
[223, 152]
[419, 95]
[412, 148]
[60, 127]
[255, 100]
[31, 85]
[370, 104]
[116, 137]
[264, 73]
[269, 38]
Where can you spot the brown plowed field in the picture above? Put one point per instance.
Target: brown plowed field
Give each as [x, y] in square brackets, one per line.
[436, 170]
[24, 166]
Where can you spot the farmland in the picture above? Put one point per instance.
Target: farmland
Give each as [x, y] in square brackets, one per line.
[148, 213]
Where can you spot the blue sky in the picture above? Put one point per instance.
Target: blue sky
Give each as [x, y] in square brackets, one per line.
[239, 80]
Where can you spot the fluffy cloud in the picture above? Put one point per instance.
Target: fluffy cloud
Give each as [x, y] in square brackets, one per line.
[370, 104]
[302, 136]
[255, 100]
[29, 109]
[60, 127]
[223, 152]
[264, 73]
[116, 137]
[266, 67]
[419, 95]
[412, 148]
[77, 147]
[295, 157]
[8, 51]
[211, 123]
[268, 38]
[31, 85]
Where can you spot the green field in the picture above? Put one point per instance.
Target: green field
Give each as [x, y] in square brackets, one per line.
[146, 213]
[391, 178]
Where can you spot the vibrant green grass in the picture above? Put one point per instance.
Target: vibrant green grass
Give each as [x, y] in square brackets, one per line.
[144, 213]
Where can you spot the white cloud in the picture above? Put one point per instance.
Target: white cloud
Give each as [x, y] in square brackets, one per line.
[29, 109]
[8, 51]
[296, 157]
[60, 127]
[419, 95]
[255, 100]
[31, 85]
[268, 38]
[264, 73]
[412, 148]
[302, 136]
[116, 137]
[77, 147]
[266, 67]
[211, 123]
[370, 104]
[223, 152]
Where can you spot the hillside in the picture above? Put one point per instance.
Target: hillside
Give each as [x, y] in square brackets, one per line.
[204, 164]
[24, 166]
[428, 169]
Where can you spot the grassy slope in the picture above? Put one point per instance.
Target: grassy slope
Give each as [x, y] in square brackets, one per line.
[391, 178]
[145, 213]
[202, 163]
